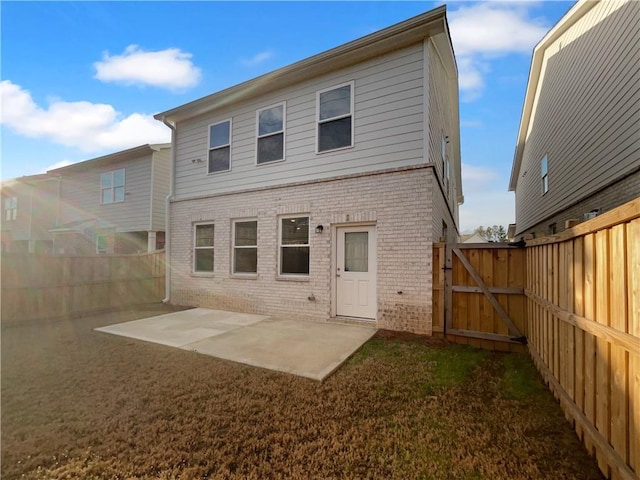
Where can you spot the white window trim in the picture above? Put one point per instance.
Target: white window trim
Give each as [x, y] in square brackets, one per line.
[234, 246]
[230, 120]
[544, 174]
[283, 131]
[106, 248]
[113, 186]
[293, 276]
[194, 248]
[10, 208]
[350, 114]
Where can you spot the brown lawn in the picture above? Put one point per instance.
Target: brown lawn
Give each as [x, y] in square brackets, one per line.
[82, 404]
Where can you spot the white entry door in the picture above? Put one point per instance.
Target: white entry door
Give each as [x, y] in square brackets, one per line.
[356, 272]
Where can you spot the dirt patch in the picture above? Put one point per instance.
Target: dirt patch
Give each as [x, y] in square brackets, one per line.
[82, 404]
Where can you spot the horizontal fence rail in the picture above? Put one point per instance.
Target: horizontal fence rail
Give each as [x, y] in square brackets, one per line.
[45, 286]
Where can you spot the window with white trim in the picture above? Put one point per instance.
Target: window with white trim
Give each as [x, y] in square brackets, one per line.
[112, 187]
[270, 123]
[10, 208]
[245, 246]
[294, 246]
[335, 117]
[203, 248]
[544, 172]
[219, 147]
[102, 244]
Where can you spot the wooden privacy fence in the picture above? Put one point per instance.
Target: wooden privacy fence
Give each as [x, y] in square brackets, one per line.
[576, 298]
[478, 295]
[583, 303]
[38, 286]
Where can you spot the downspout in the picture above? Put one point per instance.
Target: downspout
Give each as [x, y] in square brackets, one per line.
[167, 219]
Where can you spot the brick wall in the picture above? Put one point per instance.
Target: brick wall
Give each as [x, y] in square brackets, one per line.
[396, 202]
[614, 195]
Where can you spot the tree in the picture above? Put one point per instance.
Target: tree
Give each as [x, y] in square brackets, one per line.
[496, 233]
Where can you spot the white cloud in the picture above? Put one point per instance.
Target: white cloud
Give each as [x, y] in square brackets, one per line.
[257, 59]
[60, 164]
[171, 68]
[486, 200]
[485, 30]
[90, 127]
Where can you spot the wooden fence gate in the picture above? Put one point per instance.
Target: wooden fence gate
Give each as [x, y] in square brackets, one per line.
[479, 295]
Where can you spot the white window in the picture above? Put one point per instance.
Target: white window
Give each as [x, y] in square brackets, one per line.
[335, 117]
[270, 136]
[203, 248]
[294, 246]
[102, 243]
[245, 246]
[10, 208]
[220, 147]
[112, 186]
[545, 174]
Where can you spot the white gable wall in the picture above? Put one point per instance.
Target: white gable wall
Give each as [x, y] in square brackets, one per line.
[389, 130]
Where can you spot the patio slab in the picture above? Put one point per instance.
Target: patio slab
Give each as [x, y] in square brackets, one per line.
[308, 349]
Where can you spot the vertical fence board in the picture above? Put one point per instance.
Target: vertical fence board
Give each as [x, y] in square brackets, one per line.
[603, 360]
[578, 308]
[619, 357]
[589, 339]
[633, 286]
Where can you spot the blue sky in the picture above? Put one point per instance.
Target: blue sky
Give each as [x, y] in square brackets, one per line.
[83, 79]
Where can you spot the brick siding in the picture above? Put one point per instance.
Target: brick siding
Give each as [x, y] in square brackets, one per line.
[614, 195]
[396, 202]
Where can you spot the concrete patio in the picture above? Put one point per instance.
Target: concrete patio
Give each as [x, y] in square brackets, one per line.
[308, 349]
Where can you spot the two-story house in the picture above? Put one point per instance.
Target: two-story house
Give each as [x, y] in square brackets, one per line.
[316, 191]
[29, 209]
[578, 147]
[114, 203]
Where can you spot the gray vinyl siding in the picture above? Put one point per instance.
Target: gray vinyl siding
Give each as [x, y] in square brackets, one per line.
[388, 125]
[161, 169]
[80, 196]
[587, 116]
[442, 121]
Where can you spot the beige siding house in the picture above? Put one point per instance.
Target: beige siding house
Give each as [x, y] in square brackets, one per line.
[29, 207]
[578, 147]
[114, 203]
[316, 191]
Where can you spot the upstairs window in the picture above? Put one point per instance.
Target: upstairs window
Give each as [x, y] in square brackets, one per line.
[10, 208]
[270, 139]
[203, 251]
[245, 246]
[220, 147]
[294, 246]
[544, 174]
[335, 118]
[112, 186]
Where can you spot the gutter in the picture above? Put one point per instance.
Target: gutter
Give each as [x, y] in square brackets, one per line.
[167, 205]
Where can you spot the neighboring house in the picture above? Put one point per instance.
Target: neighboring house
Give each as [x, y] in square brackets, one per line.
[473, 238]
[29, 206]
[316, 191]
[578, 147]
[113, 204]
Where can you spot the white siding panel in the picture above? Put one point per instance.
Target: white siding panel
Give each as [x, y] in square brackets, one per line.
[161, 171]
[388, 126]
[80, 196]
[586, 117]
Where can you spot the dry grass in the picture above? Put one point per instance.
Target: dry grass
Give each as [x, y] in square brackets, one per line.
[82, 404]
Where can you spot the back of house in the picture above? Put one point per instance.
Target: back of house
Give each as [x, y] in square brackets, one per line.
[316, 191]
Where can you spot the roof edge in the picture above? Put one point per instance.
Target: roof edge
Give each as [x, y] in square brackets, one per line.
[395, 36]
[114, 157]
[569, 19]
